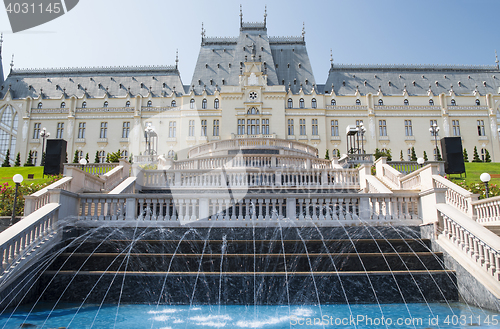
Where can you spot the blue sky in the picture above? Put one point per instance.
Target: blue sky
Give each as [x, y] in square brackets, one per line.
[148, 32]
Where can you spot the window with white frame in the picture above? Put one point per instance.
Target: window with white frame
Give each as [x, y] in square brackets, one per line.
[453, 103]
[203, 127]
[81, 129]
[382, 128]
[301, 103]
[380, 102]
[406, 102]
[60, 130]
[483, 154]
[204, 104]
[409, 154]
[34, 157]
[40, 105]
[104, 130]
[105, 104]
[80, 155]
[216, 128]
[408, 128]
[216, 103]
[8, 130]
[480, 128]
[173, 103]
[127, 104]
[84, 105]
[241, 126]
[314, 124]
[358, 102]
[150, 103]
[333, 102]
[191, 128]
[302, 126]
[102, 156]
[172, 127]
[124, 154]
[314, 104]
[63, 105]
[191, 103]
[334, 127]
[253, 126]
[126, 129]
[431, 102]
[36, 130]
[456, 127]
[290, 127]
[265, 126]
[432, 123]
[290, 103]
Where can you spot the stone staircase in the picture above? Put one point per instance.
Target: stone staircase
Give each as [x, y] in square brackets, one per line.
[247, 266]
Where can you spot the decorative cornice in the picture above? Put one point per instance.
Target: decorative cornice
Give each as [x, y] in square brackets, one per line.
[97, 70]
[429, 67]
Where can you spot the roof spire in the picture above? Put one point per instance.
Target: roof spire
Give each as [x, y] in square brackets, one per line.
[496, 58]
[265, 15]
[202, 32]
[12, 63]
[241, 16]
[331, 58]
[1, 66]
[303, 30]
[177, 58]
[1, 42]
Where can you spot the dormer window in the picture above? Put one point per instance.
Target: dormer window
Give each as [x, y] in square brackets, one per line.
[406, 102]
[314, 103]
[127, 104]
[204, 103]
[173, 103]
[333, 102]
[453, 103]
[307, 81]
[150, 103]
[105, 104]
[40, 105]
[358, 102]
[300, 65]
[290, 103]
[216, 103]
[431, 102]
[63, 105]
[191, 103]
[199, 82]
[380, 102]
[301, 103]
[84, 105]
[294, 81]
[223, 81]
[478, 102]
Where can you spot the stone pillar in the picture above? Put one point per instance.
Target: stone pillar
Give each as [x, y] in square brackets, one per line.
[290, 209]
[131, 209]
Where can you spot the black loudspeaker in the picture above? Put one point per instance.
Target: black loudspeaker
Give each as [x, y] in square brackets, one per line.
[452, 155]
[55, 154]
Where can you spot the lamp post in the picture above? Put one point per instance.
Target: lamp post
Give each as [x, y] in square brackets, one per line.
[18, 178]
[420, 162]
[362, 130]
[83, 162]
[434, 129]
[485, 178]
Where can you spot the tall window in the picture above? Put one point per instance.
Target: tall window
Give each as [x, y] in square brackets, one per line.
[480, 128]
[456, 127]
[432, 123]
[216, 128]
[60, 130]
[171, 154]
[40, 105]
[172, 129]
[34, 157]
[334, 126]
[191, 103]
[408, 128]
[124, 154]
[478, 102]
[302, 125]
[406, 102]
[313, 103]
[241, 126]
[8, 130]
[265, 126]
[204, 104]
[314, 127]
[173, 103]
[84, 105]
[290, 127]
[102, 156]
[80, 155]
[290, 103]
[81, 129]
[149, 103]
[36, 130]
[408, 152]
[358, 125]
[63, 105]
[127, 104]
[301, 103]
[203, 127]
[105, 104]
[358, 102]
[216, 103]
[382, 128]
[191, 128]
[483, 154]
[104, 130]
[380, 102]
[333, 102]
[431, 102]
[126, 129]
[253, 127]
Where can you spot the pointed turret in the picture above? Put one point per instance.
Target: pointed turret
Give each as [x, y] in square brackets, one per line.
[1, 66]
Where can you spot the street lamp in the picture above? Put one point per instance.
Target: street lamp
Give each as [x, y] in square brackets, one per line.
[434, 129]
[148, 131]
[420, 162]
[44, 134]
[18, 178]
[485, 178]
[362, 130]
[83, 162]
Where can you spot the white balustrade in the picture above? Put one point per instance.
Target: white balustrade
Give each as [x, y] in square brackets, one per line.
[487, 210]
[93, 168]
[40, 198]
[456, 196]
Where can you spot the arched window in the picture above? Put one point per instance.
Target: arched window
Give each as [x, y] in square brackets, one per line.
[453, 103]
[431, 102]
[406, 102]
[40, 105]
[313, 103]
[106, 104]
[333, 102]
[380, 102]
[358, 102]
[127, 104]
[204, 103]
[216, 103]
[84, 105]
[171, 154]
[290, 103]
[102, 156]
[253, 110]
[478, 102]
[34, 157]
[301, 103]
[124, 154]
[63, 105]
[173, 103]
[150, 103]
[191, 103]
[8, 131]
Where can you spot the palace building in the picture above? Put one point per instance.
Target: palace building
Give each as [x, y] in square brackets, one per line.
[249, 86]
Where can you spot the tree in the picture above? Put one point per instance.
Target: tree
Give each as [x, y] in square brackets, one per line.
[29, 160]
[175, 156]
[401, 156]
[413, 154]
[66, 158]
[438, 155]
[388, 154]
[75, 158]
[327, 156]
[425, 157]
[6, 162]
[377, 154]
[107, 158]
[476, 156]
[114, 157]
[42, 163]
[338, 153]
[96, 158]
[487, 157]
[18, 160]
[87, 157]
[466, 156]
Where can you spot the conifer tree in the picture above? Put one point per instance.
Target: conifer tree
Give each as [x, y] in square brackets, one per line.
[75, 157]
[466, 156]
[413, 154]
[425, 157]
[66, 158]
[18, 160]
[29, 160]
[6, 162]
[130, 158]
[42, 163]
[438, 155]
[388, 154]
[338, 153]
[87, 157]
[96, 158]
[401, 156]
[327, 156]
[487, 157]
[476, 156]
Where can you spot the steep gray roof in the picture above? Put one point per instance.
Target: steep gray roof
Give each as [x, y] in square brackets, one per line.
[463, 79]
[96, 82]
[220, 59]
[1, 66]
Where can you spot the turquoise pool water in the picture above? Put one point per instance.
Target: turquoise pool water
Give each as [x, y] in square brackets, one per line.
[455, 315]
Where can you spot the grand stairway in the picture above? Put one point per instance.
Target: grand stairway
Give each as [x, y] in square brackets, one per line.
[335, 268]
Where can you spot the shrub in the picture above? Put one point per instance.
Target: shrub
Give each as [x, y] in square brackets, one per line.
[6, 162]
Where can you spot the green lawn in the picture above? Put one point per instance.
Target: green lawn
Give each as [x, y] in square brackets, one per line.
[475, 169]
[6, 174]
